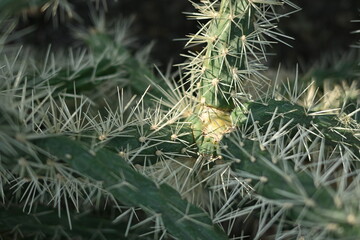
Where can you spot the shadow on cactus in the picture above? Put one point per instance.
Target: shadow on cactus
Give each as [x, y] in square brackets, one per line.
[222, 154]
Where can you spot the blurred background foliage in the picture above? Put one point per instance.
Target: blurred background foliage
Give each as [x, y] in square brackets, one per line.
[322, 28]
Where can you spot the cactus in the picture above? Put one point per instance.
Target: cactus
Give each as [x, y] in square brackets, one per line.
[217, 156]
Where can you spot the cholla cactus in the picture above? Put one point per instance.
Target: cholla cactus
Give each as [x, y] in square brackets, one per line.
[200, 162]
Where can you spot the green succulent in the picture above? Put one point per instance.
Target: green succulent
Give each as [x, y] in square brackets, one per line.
[95, 145]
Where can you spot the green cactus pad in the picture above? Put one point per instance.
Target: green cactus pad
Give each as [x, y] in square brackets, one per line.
[181, 219]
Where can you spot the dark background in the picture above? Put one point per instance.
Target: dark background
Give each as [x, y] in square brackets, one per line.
[321, 28]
